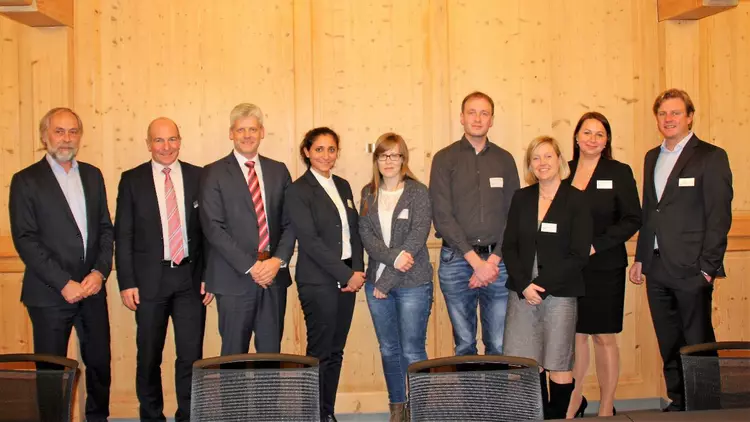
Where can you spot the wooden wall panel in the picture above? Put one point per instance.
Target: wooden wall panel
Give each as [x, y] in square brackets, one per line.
[364, 68]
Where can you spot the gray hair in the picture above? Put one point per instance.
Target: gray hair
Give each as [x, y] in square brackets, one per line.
[245, 110]
[44, 122]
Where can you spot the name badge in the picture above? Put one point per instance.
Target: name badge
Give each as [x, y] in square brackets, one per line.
[496, 182]
[686, 182]
[350, 203]
[549, 228]
[604, 184]
[404, 214]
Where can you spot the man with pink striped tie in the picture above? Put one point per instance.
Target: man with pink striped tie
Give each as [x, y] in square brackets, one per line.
[160, 265]
[250, 238]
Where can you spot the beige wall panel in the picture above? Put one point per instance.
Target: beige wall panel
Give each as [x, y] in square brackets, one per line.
[10, 129]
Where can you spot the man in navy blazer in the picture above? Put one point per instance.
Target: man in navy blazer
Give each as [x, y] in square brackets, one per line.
[687, 212]
[160, 265]
[62, 231]
[250, 238]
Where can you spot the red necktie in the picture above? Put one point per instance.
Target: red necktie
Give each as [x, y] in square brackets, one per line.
[254, 185]
[176, 246]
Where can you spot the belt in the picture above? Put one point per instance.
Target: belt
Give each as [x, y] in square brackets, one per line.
[480, 249]
[171, 264]
[656, 252]
[263, 255]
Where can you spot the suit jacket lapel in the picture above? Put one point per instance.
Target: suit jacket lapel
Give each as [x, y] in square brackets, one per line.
[187, 190]
[373, 213]
[268, 177]
[672, 182]
[650, 188]
[89, 193]
[50, 180]
[238, 178]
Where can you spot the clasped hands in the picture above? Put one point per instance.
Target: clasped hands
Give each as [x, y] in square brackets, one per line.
[74, 291]
[264, 272]
[403, 263]
[485, 272]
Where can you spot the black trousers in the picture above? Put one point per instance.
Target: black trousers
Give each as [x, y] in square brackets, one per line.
[51, 329]
[241, 316]
[282, 310]
[328, 316]
[681, 312]
[178, 298]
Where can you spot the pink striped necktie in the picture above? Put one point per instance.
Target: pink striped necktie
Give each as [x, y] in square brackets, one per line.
[176, 245]
[254, 185]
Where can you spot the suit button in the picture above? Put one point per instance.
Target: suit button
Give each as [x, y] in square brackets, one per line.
[657, 210]
[82, 259]
[338, 225]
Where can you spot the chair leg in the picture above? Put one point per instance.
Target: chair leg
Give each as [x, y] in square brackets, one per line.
[559, 399]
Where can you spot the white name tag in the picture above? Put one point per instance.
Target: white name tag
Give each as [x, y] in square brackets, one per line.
[604, 184]
[687, 181]
[350, 203]
[496, 182]
[549, 228]
[404, 214]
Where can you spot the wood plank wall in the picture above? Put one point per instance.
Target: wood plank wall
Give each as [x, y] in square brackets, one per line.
[364, 68]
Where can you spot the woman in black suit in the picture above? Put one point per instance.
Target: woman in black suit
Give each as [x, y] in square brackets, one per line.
[545, 247]
[330, 257]
[612, 194]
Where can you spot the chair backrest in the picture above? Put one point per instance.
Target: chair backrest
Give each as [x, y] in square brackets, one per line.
[36, 387]
[255, 387]
[475, 388]
[717, 375]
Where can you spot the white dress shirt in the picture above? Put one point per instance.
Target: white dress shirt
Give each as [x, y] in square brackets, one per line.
[160, 178]
[72, 188]
[330, 187]
[664, 165]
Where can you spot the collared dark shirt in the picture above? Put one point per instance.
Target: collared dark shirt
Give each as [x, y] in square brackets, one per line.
[471, 194]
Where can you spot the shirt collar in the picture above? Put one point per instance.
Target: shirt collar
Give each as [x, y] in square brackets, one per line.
[465, 144]
[241, 159]
[322, 179]
[679, 146]
[57, 166]
[160, 167]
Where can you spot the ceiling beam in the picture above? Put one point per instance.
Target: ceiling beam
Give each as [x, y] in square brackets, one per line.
[39, 12]
[692, 9]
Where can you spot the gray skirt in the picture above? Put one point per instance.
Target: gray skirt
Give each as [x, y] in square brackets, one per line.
[545, 333]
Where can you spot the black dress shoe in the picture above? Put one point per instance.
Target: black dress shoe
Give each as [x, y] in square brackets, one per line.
[582, 408]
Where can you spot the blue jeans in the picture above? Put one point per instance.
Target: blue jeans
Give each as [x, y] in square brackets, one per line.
[401, 328]
[454, 274]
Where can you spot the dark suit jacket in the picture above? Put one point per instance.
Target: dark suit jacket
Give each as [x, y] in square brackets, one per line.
[230, 224]
[46, 235]
[561, 255]
[317, 224]
[690, 222]
[613, 197]
[138, 229]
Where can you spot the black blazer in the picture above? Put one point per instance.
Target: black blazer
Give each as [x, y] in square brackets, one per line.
[613, 197]
[317, 224]
[138, 231]
[691, 221]
[231, 227]
[562, 251]
[46, 235]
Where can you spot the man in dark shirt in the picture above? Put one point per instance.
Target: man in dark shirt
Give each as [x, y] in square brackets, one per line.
[471, 184]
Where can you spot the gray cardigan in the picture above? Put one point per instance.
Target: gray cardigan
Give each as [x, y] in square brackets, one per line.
[407, 234]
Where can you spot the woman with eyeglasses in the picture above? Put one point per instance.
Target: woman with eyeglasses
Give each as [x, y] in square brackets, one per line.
[394, 225]
[329, 259]
[612, 194]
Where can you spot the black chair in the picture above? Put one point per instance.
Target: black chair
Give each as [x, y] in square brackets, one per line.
[255, 387]
[36, 387]
[475, 388]
[717, 375]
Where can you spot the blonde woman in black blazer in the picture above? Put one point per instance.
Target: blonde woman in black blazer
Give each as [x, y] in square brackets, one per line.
[612, 194]
[545, 247]
[329, 260]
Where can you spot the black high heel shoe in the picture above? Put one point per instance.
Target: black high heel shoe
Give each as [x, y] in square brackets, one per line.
[582, 407]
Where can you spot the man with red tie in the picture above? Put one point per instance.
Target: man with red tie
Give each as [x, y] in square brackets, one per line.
[160, 265]
[249, 236]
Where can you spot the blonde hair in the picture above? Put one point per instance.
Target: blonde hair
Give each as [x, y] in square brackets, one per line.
[528, 173]
[386, 142]
[245, 110]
